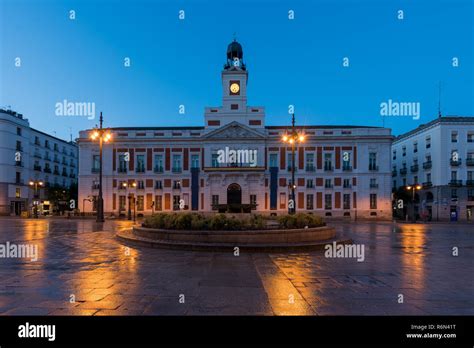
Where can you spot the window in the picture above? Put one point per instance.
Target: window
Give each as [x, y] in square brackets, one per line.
[346, 161]
[215, 200]
[373, 161]
[428, 142]
[309, 183]
[176, 163]
[470, 175]
[140, 168]
[394, 184]
[404, 151]
[454, 175]
[273, 160]
[140, 185]
[373, 201]
[327, 183]
[327, 161]
[290, 163]
[122, 164]
[18, 131]
[140, 203]
[454, 136]
[18, 192]
[428, 177]
[158, 203]
[37, 141]
[415, 147]
[454, 194]
[470, 137]
[158, 167]
[346, 201]
[158, 185]
[415, 179]
[122, 202]
[404, 181]
[394, 156]
[309, 202]
[234, 106]
[253, 199]
[282, 200]
[310, 162]
[176, 202]
[18, 146]
[373, 183]
[95, 164]
[194, 161]
[346, 183]
[46, 144]
[328, 201]
[176, 184]
[215, 162]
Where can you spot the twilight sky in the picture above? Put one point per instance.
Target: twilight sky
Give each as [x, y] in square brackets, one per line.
[176, 62]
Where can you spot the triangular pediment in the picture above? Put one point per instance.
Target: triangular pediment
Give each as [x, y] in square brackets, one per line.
[234, 130]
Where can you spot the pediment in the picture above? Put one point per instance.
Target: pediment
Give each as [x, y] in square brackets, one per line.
[234, 130]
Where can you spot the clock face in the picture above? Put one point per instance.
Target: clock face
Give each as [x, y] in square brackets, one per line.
[234, 88]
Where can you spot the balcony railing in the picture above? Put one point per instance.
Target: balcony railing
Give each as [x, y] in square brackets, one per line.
[19, 181]
[347, 186]
[158, 169]
[310, 168]
[374, 185]
[64, 174]
[328, 167]
[414, 168]
[403, 171]
[394, 172]
[289, 168]
[95, 170]
[56, 160]
[47, 170]
[158, 185]
[456, 183]
[19, 148]
[56, 172]
[177, 170]
[469, 182]
[427, 184]
[72, 175]
[346, 168]
[470, 162]
[37, 167]
[122, 169]
[373, 167]
[37, 155]
[427, 165]
[455, 163]
[176, 186]
[326, 185]
[140, 169]
[19, 163]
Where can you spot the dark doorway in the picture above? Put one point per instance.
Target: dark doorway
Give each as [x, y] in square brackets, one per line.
[234, 194]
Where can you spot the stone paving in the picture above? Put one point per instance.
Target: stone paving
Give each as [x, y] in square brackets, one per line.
[84, 270]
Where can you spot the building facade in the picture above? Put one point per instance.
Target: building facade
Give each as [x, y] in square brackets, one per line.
[341, 171]
[439, 156]
[28, 155]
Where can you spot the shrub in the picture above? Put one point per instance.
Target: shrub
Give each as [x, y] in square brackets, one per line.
[300, 220]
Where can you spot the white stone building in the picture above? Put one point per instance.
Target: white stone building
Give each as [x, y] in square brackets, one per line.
[341, 171]
[27, 154]
[440, 156]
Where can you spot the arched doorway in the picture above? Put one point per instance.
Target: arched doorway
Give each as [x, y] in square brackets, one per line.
[234, 194]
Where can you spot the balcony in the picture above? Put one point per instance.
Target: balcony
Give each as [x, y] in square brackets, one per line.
[56, 172]
[37, 155]
[37, 167]
[403, 171]
[427, 184]
[454, 163]
[19, 148]
[158, 169]
[177, 170]
[176, 186]
[456, 183]
[374, 186]
[47, 170]
[347, 186]
[328, 167]
[72, 176]
[470, 183]
[427, 165]
[373, 167]
[19, 163]
[414, 168]
[394, 172]
[470, 162]
[56, 160]
[327, 185]
[19, 181]
[37, 142]
[289, 168]
[73, 165]
[346, 168]
[95, 170]
[47, 158]
[140, 169]
[158, 185]
[310, 168]
[65, 174]
[122, 170]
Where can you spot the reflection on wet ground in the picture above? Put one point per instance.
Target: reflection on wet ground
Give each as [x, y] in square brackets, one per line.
[83, 270]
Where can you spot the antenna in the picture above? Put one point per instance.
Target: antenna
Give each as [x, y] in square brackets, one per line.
[439, 99]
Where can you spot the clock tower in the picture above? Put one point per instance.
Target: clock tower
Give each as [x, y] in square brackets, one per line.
[234, 107]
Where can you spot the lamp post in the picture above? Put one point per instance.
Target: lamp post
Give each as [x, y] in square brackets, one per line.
[413, 188]
[130, 197]
[292, 138]
[104, 136]
[35, 184]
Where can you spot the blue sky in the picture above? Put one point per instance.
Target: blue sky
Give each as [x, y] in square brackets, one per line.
[177, 62]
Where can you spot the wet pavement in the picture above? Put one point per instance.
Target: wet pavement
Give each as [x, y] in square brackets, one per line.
[82, 269]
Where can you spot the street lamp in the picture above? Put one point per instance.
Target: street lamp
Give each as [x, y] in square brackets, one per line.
[413, 188]
[292, 138]
[36, 184]
[103, 135]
